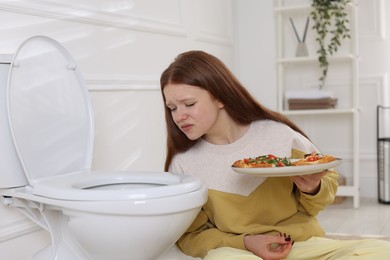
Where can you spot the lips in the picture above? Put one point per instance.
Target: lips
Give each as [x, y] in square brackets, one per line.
[186, 127]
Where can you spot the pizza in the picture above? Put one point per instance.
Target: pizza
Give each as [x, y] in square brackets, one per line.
[271, 160]
[262, 161]
[314, 158]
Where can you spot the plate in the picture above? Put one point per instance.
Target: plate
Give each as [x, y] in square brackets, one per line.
[288, 170]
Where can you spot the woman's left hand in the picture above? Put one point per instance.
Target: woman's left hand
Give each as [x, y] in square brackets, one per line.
[310, 183]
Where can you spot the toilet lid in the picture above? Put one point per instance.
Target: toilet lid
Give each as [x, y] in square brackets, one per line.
[49, 109]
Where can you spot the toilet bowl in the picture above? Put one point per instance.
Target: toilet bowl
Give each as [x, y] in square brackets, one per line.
[47, 132]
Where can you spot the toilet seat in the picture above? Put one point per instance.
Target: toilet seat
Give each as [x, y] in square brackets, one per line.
[105, 186]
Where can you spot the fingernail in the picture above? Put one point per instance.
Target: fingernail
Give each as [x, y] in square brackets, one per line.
[287, 239]
[292, 242]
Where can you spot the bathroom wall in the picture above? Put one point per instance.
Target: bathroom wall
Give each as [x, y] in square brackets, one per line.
[121, 47]
[374, 85]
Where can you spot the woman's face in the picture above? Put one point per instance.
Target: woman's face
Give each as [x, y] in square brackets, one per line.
[193, 109]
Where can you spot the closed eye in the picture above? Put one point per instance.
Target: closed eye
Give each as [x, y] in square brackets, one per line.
[172, 108]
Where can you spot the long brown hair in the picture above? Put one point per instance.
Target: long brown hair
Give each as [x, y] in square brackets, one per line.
[198, 68]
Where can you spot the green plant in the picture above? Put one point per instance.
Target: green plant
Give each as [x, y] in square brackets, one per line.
[332, 26]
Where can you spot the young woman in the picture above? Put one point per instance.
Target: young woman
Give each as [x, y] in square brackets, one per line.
[212, 121]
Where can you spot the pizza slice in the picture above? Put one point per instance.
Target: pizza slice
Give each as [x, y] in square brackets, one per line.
[314, 158]
[262, 161]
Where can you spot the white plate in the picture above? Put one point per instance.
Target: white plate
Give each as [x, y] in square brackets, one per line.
[288, 170]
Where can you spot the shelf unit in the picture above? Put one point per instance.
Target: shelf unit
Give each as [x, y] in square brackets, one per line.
[308, 68]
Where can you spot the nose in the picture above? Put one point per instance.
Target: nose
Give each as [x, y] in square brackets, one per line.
[180, 115]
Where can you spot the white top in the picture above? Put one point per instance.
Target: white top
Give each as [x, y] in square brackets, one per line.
[212, 163]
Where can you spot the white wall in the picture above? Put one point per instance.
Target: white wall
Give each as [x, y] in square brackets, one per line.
[256, 49]
[121, 47]
[374, 66]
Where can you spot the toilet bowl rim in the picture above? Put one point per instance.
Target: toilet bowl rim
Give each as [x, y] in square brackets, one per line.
[19, 197]
[76, 185]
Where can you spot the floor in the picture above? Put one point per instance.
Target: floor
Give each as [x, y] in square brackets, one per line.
[371, 218]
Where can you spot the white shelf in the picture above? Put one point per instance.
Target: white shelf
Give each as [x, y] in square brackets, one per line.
[300, 8]
[319, 112]
[299, 67]
[350, 191]
[293, 9]
[309, 59]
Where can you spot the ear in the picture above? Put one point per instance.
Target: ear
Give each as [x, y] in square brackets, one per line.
[220, 104]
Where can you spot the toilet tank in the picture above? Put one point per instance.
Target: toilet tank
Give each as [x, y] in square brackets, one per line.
[11, 172]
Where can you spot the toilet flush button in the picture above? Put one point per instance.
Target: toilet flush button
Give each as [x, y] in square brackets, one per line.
[16, 63]
[71, 66]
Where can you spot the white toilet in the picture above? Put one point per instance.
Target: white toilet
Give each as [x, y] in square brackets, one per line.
[46, 147]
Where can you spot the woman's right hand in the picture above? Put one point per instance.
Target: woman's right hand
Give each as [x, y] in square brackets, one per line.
[269, 247]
